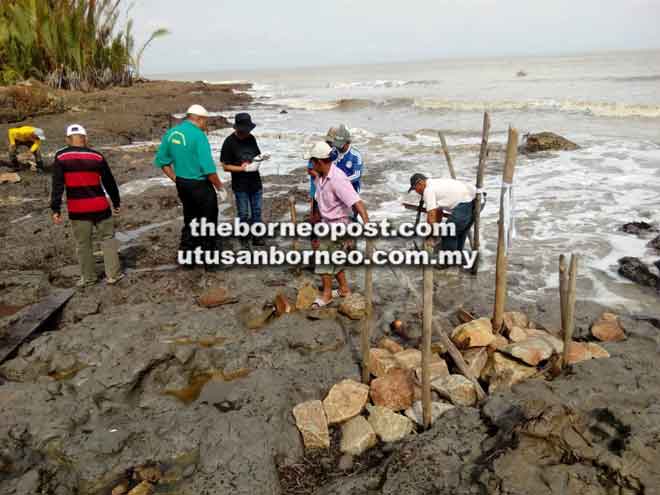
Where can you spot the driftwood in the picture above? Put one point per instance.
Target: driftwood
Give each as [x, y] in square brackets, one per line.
[31, 320]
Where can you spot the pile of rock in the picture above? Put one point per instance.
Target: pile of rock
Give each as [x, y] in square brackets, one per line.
[392, 400]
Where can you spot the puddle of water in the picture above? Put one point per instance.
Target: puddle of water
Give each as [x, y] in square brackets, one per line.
[197, 382]
[140, 185]
[131, 235]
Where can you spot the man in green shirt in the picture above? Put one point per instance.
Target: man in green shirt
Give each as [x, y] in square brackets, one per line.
[185, 157]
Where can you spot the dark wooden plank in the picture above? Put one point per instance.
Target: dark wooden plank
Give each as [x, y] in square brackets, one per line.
[31, 320]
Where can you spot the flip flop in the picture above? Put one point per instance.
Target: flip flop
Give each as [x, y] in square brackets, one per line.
[336, 293]
[320, 303]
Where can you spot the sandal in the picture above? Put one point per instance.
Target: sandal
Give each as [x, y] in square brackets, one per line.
[337, 293]
[320, 303]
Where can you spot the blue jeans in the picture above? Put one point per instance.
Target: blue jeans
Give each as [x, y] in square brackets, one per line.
[461, 216]
[248, 205]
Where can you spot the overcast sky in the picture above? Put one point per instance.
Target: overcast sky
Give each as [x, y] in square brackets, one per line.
[209, 35]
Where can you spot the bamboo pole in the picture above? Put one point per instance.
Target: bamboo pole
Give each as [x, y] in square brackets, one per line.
[570, 308]
[481, 169]
[365, 336]
[445, 150]
[294, 221]
[427, 330]
[502, 254]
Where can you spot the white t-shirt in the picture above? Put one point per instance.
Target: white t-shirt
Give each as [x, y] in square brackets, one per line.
[447, 193]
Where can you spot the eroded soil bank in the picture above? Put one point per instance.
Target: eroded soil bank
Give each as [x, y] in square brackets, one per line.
[139, 376]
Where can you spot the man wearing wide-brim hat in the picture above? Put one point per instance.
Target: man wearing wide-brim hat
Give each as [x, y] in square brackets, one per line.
[238, 154]
[185, 157]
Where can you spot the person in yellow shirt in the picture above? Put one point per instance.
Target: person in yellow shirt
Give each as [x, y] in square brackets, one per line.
[30, 137]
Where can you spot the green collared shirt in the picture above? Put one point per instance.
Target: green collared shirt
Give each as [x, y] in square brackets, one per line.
[187, 149]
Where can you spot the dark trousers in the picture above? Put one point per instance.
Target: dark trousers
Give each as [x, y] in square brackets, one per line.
[461, 216]
[248, 205]
[199, 201]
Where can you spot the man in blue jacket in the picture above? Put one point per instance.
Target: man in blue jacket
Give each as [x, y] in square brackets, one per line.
[349, 159]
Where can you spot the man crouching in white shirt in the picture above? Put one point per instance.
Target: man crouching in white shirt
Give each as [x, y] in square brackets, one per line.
[447, 195]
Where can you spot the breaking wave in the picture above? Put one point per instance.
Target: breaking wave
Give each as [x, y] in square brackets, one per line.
[384, 83]
[598, 109]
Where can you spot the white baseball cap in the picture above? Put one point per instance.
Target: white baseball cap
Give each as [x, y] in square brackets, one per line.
[320, 151]
[40, 133]
[75, 129]
[198, 110]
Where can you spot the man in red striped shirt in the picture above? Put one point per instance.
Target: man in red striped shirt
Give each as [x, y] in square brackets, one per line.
[85, 174]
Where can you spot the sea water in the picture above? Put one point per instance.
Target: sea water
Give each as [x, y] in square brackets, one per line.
[570, 201]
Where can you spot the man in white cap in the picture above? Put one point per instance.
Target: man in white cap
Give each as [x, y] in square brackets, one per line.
[185, 157]
[28, 136]
[85, 174]
[336, 199]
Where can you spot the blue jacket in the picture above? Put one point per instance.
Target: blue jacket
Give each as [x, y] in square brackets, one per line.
[351, 164]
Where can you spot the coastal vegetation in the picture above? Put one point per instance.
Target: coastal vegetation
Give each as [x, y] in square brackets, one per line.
[70, 44]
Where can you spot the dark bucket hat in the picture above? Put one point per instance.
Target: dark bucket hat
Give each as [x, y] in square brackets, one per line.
[414, 179]
[243, 122]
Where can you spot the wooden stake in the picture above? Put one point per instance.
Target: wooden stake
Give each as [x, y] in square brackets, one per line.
[481, 169]
[427, 330]
[292, 210]
[502, 254]
[445, 150]
[563, 290]
[570, 309]
[460, 362]
[452, 172]
[365, 336]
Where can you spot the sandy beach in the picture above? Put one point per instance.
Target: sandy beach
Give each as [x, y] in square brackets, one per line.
[140, 375]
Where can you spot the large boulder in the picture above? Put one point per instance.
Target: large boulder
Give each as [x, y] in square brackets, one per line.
[547, 141]
[357, 436]
[388, 425]
[638, 228]
[394, 390]
[345, 400]
[607, 328]
[636, 270]
[476, 333]
[313, 424]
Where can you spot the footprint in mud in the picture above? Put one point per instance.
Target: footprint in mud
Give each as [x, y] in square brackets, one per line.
[610, 430]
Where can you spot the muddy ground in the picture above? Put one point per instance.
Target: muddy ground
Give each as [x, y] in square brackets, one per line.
[139, 375]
